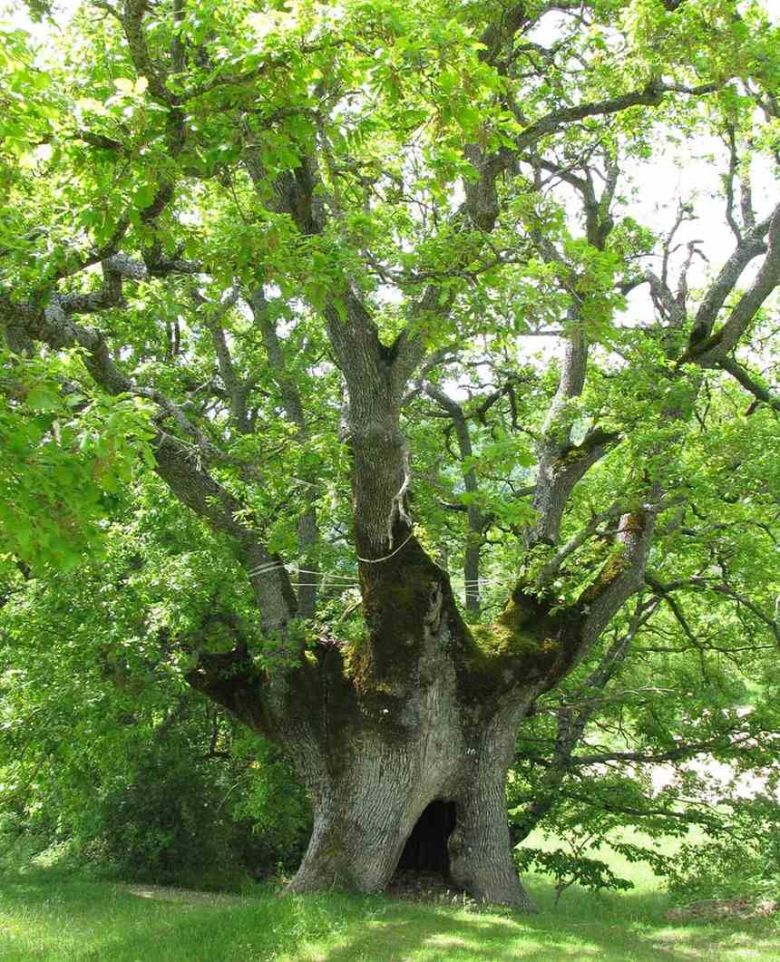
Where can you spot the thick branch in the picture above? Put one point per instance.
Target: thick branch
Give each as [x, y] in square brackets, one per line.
[715, 348]
[650, 95]
[237, 389]
[178, 467]
[750, 382]
[132, 21]
[560, 465]
[572, 725]
[750, 247]
[482, 204]
[553, 566]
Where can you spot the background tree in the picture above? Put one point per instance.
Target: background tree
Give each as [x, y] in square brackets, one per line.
[293, 233]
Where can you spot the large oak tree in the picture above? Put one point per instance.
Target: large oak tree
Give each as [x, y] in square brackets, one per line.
[274, 248]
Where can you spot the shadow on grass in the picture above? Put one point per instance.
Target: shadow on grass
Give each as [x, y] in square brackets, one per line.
[98, 922]
[435, 935]
[618, 928]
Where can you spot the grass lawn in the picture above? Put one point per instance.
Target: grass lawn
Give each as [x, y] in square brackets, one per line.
[65, 920]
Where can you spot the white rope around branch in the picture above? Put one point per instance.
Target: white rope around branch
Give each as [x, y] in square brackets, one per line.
[376, 561]
[346, 579]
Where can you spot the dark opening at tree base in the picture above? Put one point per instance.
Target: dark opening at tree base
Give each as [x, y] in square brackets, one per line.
[426, 848]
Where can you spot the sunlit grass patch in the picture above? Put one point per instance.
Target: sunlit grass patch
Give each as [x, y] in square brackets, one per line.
[48, 920]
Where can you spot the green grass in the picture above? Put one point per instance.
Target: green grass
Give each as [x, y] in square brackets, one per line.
[68, 920]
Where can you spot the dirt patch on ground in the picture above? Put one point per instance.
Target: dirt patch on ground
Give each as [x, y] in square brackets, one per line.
[413, 886]
[723, 909]
[167, 893]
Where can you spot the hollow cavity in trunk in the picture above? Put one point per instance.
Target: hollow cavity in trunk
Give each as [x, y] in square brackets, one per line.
[426, 849]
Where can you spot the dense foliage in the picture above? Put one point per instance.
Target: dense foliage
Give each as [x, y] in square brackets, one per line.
[201, 203]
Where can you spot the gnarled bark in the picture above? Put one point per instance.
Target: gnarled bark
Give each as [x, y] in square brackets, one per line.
[421, 711]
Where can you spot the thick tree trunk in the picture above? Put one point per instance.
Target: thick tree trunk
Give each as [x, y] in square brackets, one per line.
[418, 720]
[422, 712]
[445, 787]
[409, 747]
[480, 850]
